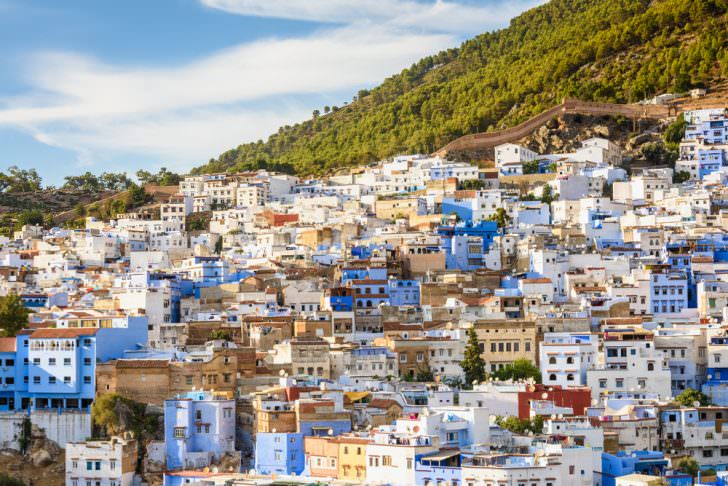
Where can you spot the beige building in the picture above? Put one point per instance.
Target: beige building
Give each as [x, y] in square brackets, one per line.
[504, 341]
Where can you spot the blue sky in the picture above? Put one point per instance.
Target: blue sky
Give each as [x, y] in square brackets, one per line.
[123, 85]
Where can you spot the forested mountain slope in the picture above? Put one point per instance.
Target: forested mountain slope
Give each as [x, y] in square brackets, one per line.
[600, 50]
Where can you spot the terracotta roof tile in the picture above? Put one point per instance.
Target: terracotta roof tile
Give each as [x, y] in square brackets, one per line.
[63, 333]
[7, 345]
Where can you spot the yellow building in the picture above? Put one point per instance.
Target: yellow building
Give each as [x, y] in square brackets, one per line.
[504, 341]
[399, 207]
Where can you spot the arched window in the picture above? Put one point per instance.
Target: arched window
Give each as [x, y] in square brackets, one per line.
[552, 377]
[369, 303]
[569, 360]
[569, 377]
[198, 415]
[552, 360]
[650, 366]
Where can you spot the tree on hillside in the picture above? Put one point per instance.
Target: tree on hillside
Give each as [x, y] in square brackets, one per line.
[162, 178]
[13, 315]
[520, 369]
[136, 196]
[680, 176]
[473, 364]
[85, 182]
[548, 195]
[501, 217]
[521, 426]
[675, 132]
[113, 414]
[689, 465]
[6, 480]
[472, 184]
[658, 154]
[20, 180]
[690, 396]
[530, 167]
[32, 217]
[219, 334]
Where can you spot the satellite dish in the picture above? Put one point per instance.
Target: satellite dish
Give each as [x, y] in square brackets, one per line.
[274, 430]
[544, 395]
[282, 372]
[696, 404]
[594, 401]
[561, 415]
[331, 432]
[553, 416]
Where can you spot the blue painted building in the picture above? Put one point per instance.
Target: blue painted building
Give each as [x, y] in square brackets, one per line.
[363, 272]
[199, 428]
[709, 161]
[44, 300]
[713, 131]
[679, 256]
[279, 453]
[339, 299]
[668, 290]
[404, 292]
[464, 208]
[442, 467]
[651, 463]
[466, 244]
[56, 367]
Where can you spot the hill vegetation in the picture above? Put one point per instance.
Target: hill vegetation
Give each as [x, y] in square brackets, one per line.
[600, 50]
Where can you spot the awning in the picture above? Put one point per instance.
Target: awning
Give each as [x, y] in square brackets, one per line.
[441, 456]
[356, 396]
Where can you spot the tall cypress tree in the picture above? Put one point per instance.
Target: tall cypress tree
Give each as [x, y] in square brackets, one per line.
[473, 364]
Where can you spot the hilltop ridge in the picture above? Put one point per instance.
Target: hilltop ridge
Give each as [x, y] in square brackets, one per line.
[604, 50]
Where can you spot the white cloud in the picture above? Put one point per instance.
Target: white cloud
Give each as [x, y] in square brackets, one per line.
[438, 15]
[194, 111]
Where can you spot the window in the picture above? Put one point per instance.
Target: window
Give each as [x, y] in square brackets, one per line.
[179, 432]
[87, 380]
[386, 460]
[51, 380]
[409, 463]
[188, 379]
[112, 464]
[36, 380]
[620, 383]
[66, 380]
[602, 383]
[89, 465]
[87, 361]
[420, 356]
[51, 361]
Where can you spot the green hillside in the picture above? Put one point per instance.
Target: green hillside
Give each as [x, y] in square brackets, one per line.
[601, 50]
